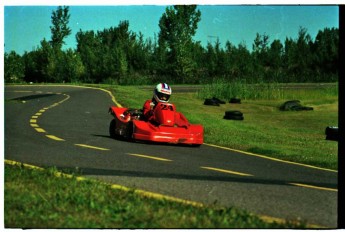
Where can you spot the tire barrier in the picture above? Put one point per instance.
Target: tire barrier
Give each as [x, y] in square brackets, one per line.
[233, 115]
[218, 100]
[211, 102]
[294, 105]
[332, 133]
[235, 100]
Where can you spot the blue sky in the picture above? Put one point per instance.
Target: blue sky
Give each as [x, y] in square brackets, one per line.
[26, 26]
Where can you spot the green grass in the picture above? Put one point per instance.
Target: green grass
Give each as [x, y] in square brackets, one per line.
[297, 136]
[38, 199]
[266, 91]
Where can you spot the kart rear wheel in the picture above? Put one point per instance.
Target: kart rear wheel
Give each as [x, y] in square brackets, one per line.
[112, 127]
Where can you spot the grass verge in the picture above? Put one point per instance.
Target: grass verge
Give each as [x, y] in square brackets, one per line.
[39, 199]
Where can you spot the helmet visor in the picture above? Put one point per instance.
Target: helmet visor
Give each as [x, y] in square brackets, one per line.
[163, 96]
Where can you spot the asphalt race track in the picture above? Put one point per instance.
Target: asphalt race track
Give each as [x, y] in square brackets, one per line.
[67, 127]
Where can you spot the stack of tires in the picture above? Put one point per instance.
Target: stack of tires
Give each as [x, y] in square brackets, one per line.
[213, 101]
[210, 102]
[294, 105]
[235, 100]
[233, 115]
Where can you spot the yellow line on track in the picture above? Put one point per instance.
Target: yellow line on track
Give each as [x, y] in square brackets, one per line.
[270, 158]
[85, 87]
[104, 90]
[55, 138]
[149, 157]
[157, 195]
[92, 147]
[270, 219]
[34, 118]
[227, 171]
[40, 130]
[20, 91]
[11, 162]
[314, 187]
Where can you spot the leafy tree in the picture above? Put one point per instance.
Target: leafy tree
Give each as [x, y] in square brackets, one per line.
[210, 59]
[274, 57]
[230, 51]
[112, 54]
[200, 74]
[288, 59]
[260, 55]
[32, 71]
[326, 52]
[275, 54]
[73, 67]
[49, 63]
[88, 48]
[260, 45]
[177, 27]
[303, 57]
[60, 29]
[37, 67]
[13, 67]
[244, 62]
[117, 45]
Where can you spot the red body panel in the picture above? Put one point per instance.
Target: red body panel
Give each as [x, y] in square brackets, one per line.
[168, 126]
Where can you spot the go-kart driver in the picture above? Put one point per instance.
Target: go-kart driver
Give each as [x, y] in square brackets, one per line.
[161, 93]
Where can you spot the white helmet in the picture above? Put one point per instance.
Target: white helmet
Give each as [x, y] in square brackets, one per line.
[162, 92]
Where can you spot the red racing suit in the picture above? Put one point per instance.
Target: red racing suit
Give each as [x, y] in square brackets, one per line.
[148, 109]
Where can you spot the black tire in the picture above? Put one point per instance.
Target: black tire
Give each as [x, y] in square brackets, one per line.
[306, 108]
[235, 100]
[233, 113]
[293, 105]
[130, 130]
[218, 100]
[233, 117]
[210, 102]
[332, 133]
[112, 127]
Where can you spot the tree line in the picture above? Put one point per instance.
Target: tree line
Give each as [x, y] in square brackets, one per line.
[117, 55]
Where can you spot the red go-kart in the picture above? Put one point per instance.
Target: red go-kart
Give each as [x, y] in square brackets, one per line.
[167, 126]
